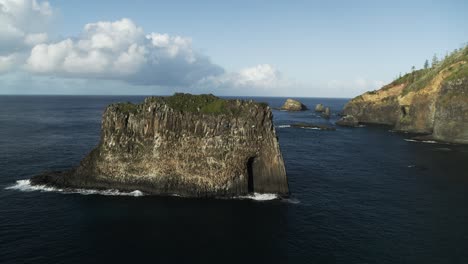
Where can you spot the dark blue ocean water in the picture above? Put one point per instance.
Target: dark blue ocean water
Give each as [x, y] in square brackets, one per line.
[362, 195]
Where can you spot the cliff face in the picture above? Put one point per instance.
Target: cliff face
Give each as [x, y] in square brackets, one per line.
[186, 145]
[430, 101]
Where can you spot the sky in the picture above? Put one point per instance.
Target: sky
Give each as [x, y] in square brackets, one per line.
[248, 48]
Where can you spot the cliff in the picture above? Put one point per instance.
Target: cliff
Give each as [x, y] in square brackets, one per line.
[198, 146]
[431, 101]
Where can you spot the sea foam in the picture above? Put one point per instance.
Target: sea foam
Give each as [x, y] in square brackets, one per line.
[26, 186]
[422, 141]
[259, 196]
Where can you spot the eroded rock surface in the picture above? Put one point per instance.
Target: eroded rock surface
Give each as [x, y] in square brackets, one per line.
[200, 146]
[293, 105]
[430, 101]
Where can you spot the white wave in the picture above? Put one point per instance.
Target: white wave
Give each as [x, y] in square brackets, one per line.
[291, 201]
[312, 128]
[422, 141]
[283, 126]
[26, 186]
[259, 196]
[361, 126]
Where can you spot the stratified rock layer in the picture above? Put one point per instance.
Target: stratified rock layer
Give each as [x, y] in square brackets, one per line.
[431, 101]
[188, 145]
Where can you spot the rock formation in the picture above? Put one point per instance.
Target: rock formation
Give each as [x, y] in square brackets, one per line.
[319, 108]
[428, 101]
[197, 146]
[314, 126]
[293, 105]
[348, 120]
[326, 113]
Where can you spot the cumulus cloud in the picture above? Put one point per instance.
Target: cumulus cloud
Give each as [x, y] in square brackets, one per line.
[261, 79]
[24, 23]
[122, 50]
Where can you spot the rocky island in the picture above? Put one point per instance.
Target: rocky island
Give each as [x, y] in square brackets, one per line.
[431, 101]
[293, 105]
[188, 145]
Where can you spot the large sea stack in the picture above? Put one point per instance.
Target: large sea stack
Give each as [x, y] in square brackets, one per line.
[189, 145]
[431, 101]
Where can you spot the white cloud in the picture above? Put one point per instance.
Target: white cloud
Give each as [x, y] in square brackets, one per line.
[7, 62]
[121, 50]
[263, 79]
[24, 23]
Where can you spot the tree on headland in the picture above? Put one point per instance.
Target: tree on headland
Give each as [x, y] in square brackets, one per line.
[435, 61]
[426, 64]
[413, 68]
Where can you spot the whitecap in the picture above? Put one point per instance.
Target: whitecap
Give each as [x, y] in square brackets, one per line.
[422, 141]
[26, 186]
[283, 126]
[259, 196]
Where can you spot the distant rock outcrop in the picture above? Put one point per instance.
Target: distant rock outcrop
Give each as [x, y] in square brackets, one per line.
[348, 120]
[319, 108]
[199, 146]
[293, 105]
[314, 126]
[430, 101]
[326, 113]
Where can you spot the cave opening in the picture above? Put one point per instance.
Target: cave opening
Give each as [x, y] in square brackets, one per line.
[404, 110]
[250, 175]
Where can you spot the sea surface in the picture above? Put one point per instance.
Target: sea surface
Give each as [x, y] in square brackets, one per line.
[359, 195]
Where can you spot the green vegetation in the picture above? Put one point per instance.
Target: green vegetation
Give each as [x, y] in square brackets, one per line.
[419, 79]
[461, 71]
[128, 107]
[218, 106]
[189, 102]
[204, 103]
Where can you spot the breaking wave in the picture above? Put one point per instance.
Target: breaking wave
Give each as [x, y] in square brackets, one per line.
[26, 186]
[259, 197]
[422, 141]
[283, 126]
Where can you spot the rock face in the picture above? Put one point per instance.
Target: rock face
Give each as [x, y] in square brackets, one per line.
[319, 108]
[293, 105]
[429, 101]
[326, 113]
[348, 120]
[197, 146]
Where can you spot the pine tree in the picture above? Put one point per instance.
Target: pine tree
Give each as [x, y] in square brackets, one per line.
[426, 64]
[435, 61]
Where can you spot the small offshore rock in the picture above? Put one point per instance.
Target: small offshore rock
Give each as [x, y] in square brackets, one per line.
[314, 126]
[293, 105]
[326, 113]
[348, 120]
[319, 108]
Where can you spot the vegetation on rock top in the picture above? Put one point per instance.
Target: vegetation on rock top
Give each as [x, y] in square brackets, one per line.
[455, 65]
[184, 102]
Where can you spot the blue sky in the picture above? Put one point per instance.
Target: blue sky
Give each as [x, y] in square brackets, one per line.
[297, 48]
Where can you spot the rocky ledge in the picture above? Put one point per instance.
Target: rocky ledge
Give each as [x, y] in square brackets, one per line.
[188, 145]
[432, 101]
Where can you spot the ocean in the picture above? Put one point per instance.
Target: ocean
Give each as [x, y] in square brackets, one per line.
[358, 195]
